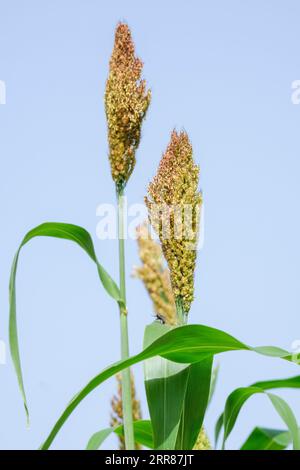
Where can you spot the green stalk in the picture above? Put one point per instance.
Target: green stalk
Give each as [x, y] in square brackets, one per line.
[181, 314]
[126, 382]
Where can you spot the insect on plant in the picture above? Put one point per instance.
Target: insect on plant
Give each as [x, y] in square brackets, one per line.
[178, 357]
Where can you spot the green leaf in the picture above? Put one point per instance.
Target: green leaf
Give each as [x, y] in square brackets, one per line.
[177, 396]
[287, 415]
[98, 438]
[195, 403]
[213, 383]
[58, 230]
[239, 396]
[290, 382]
[267, 439]
[233, 405]
[142, 435]
[188, 343]
[218, 428]
[165, 384]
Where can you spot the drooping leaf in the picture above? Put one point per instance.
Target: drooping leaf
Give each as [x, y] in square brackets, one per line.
[218, 428]
[287, 415]
[239, 396]
[267, 439]
[195, 403]
[142, 435]
[188, 343]
[290, 382]
[58, 230]
[98, 438]
[233, 405]
[165, 384]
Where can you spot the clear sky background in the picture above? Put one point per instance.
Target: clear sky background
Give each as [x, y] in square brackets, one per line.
[223, 71]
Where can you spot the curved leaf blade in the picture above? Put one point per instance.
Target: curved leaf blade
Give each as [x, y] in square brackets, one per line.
[98, 438]
[237, 399]
[233, 406]
[195, 403]
[188, 343]
[177, 396]
[82, 237]
[287, 415]
[165, 384]
[213, 383]
[290, 382]
[218, 428]
[57, 230]
[246, 392]
[142, 435]
[267, 439]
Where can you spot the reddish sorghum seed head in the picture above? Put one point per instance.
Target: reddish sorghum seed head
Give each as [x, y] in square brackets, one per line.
[126, 104]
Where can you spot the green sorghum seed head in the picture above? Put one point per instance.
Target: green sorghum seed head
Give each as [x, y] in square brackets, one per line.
[174, 204]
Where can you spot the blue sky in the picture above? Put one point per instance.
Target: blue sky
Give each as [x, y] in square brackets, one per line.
[223, 71]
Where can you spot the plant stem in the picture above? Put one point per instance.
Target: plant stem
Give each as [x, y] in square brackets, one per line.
[126, 381]
[181, 315]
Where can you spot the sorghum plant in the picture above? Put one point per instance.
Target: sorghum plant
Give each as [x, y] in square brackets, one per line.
[126, 103]
[117, 418]
[178, 358]
[174, 204]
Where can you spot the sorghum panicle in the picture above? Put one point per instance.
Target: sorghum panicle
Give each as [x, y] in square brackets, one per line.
[202, 442]
[117, 409]
[174, 204]
[126, 104]
[155, 276]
